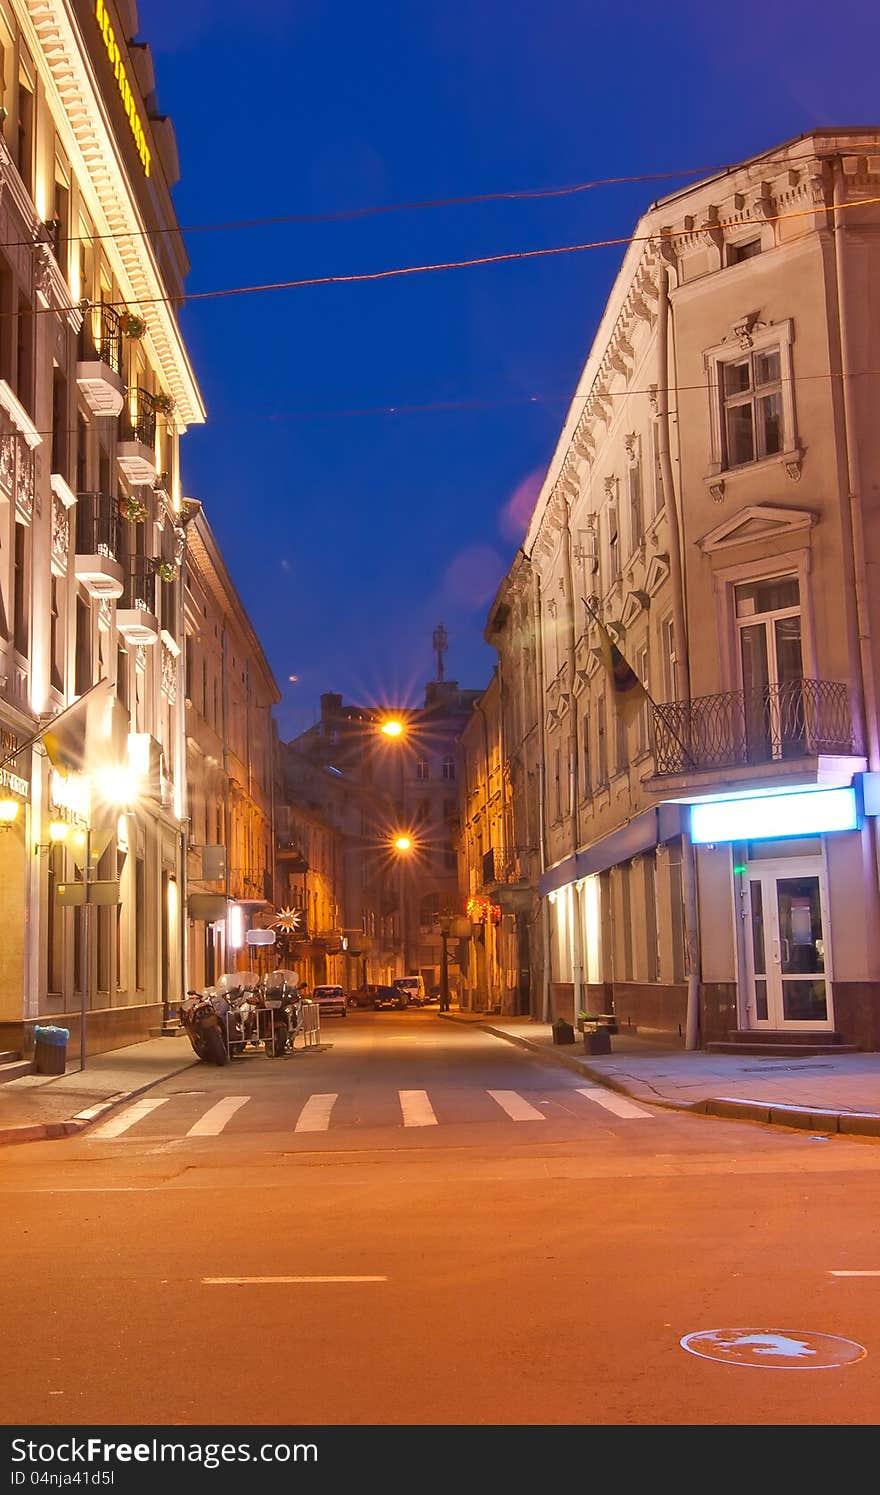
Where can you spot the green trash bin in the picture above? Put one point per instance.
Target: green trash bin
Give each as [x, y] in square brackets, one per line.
[50, 1049]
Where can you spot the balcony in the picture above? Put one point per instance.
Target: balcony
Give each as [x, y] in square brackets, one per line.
[99, 370]
[136, 611]
[741, 729]
[505, 878]
[97, 545]
[136, 450]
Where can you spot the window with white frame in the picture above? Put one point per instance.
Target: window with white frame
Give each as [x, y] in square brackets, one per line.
[752, 398]
[613, 543]
[636, 500]
[644, 717]
[667, 656]
[656, 469]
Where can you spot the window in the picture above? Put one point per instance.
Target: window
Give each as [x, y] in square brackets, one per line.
[601, 743]
[621, 745]
[644, 718]
[751, 392]
[56, 640]
[60, 438]
[745, 250]
[423, 769]
[20, 596]
[585, 754]
[24, 134]
[24, 379]
[656, 468]
[557, 786]
[83, 675]
[613, 544]
[140, 926]
[448, 768]
[667, 657]
[636, 510]
[768, 622]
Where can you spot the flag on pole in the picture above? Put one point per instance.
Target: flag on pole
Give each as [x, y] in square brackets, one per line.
[90, 733]
[627, 691]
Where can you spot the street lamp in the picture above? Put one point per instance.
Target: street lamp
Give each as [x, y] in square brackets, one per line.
[392, 726]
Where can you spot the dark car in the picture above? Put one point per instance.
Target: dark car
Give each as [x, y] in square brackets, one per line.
[364, 996]
[389, 996]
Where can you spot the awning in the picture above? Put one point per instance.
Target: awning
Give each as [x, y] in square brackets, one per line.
[651, 828]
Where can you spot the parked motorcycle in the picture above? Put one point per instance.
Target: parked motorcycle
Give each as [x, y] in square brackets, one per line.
[278, 993]
[203, 1027]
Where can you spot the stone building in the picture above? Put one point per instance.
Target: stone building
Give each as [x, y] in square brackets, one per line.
[96, 389]
[709, 863]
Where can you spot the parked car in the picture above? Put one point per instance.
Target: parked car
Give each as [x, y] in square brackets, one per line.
[363, 996]
[413, 989]
[330, 999]
[389, 996]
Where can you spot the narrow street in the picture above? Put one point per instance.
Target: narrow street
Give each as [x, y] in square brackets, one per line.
[421, 1225]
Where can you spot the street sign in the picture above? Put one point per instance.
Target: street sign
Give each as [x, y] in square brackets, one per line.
[98, 842]
[72, 894]
[260, 937]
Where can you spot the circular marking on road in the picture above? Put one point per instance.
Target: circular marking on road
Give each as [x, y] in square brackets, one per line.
[773, 1349]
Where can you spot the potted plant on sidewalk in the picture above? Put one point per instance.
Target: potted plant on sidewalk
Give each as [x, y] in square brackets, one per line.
[597, 1028]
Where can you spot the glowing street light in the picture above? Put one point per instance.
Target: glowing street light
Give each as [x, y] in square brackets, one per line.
[402, 843]
[392, 727]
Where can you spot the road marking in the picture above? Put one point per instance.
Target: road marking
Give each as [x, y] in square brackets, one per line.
[854, 1274]
[92, 1111]
[616, 1103]
[315, 1114]
[269, 1281]
[417, 1109]
[516, 1108]
[129, 1116]
[216, 1117]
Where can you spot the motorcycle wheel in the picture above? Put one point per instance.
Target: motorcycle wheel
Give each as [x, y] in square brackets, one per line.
[275, 1046]
[215, 1048]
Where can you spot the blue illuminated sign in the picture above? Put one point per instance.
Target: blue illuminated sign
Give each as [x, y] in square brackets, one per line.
[771, 817]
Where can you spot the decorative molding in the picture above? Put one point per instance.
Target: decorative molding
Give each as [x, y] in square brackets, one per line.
[635, 602]
[793, 468]
[61, 490]
[756, 522]
[60, 537]
[19, 416]
[658, 571]
[717, 491]
[105, 614]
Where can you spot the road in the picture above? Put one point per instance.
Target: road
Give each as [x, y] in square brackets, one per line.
[471, 1235]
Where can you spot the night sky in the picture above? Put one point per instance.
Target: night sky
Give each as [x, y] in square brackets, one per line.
[351, 529]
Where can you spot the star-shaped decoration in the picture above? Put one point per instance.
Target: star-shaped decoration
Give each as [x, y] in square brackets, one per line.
[289, 919]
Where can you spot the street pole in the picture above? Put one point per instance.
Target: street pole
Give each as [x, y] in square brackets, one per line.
[444, 968]
[402, 899]
[84, 952]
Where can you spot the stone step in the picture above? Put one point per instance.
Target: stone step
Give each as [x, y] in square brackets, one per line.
[781, 1035]
[167, 1030]
[14, 1069]
[782, 1050]
[8, 1056]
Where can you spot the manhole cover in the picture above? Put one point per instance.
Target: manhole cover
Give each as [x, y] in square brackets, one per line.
[773, 1349]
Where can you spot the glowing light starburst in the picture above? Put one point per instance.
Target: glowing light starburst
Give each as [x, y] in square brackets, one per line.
[289, 919]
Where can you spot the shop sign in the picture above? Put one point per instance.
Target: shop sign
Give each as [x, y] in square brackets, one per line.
[122, 83]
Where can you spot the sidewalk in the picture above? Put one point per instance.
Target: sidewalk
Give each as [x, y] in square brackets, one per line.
[822, 1093]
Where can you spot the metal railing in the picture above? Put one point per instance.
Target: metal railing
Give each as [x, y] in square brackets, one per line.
[739, 728]
[101, 336]
[510, 866]
[140, 586]
[137, 419]
[97, 525]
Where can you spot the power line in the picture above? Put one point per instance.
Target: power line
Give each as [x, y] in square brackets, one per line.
[659, 237]
[526, 194]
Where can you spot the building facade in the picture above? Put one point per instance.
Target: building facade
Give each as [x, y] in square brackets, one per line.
[96, 389]
[708, 862]
[231, 764]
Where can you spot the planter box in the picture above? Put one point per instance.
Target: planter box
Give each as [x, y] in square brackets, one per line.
[597, 1041]
[563, 1032]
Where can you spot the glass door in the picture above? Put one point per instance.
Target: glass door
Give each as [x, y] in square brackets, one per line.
[787, 940]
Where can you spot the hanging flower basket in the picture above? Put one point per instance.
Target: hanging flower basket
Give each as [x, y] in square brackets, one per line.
[132, 325]
[166, 570]
[132, 509]
[163, 403]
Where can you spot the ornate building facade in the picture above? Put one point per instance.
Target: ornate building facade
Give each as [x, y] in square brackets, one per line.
[709, 864]
[96, 389]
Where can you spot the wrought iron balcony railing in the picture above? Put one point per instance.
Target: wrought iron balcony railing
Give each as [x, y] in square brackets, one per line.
[509, 866]
[97, 525]
[137, 419]
[101, 337]
[140, 585]
[738, 728]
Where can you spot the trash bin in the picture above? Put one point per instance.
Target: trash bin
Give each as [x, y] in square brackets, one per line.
[50, 1050]
[563, 1032]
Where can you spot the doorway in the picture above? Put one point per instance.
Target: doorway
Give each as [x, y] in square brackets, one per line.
[787, 945]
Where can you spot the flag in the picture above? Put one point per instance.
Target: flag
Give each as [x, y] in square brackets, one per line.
[628, 693]
[89, 734]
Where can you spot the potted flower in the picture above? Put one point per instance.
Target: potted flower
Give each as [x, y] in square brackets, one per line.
[562, 1031]
[597, 1028]
[133, 509]
[131, 325]
[166, 570]
[163, 403]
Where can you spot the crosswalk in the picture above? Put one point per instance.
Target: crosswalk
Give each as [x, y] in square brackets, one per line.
[316, 1113]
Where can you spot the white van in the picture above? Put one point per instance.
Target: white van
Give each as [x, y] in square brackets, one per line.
[413, 988]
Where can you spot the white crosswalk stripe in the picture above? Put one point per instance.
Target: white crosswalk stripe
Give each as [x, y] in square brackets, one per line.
[121, 1123]
[613, 1102]
[215, 1119]
[417, 1109]
[315, 1114]
[516, 1108]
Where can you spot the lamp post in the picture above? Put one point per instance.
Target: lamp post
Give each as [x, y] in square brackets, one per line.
[402, 845]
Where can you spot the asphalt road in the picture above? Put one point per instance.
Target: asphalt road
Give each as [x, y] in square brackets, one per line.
[472, 1239]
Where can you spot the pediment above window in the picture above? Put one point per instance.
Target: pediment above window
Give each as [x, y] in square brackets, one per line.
[634, 603]
[757, 522]
[658, 570]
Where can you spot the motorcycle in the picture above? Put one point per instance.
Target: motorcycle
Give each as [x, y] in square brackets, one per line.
[212, 1025]
[278, 994]
[238, 991]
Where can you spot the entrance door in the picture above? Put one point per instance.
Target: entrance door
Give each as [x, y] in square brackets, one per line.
[787, 944]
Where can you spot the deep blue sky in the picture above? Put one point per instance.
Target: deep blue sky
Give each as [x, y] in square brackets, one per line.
[351, 535]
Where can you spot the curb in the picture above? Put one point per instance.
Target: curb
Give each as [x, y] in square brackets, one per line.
[770, 1113]
[50, 1131]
